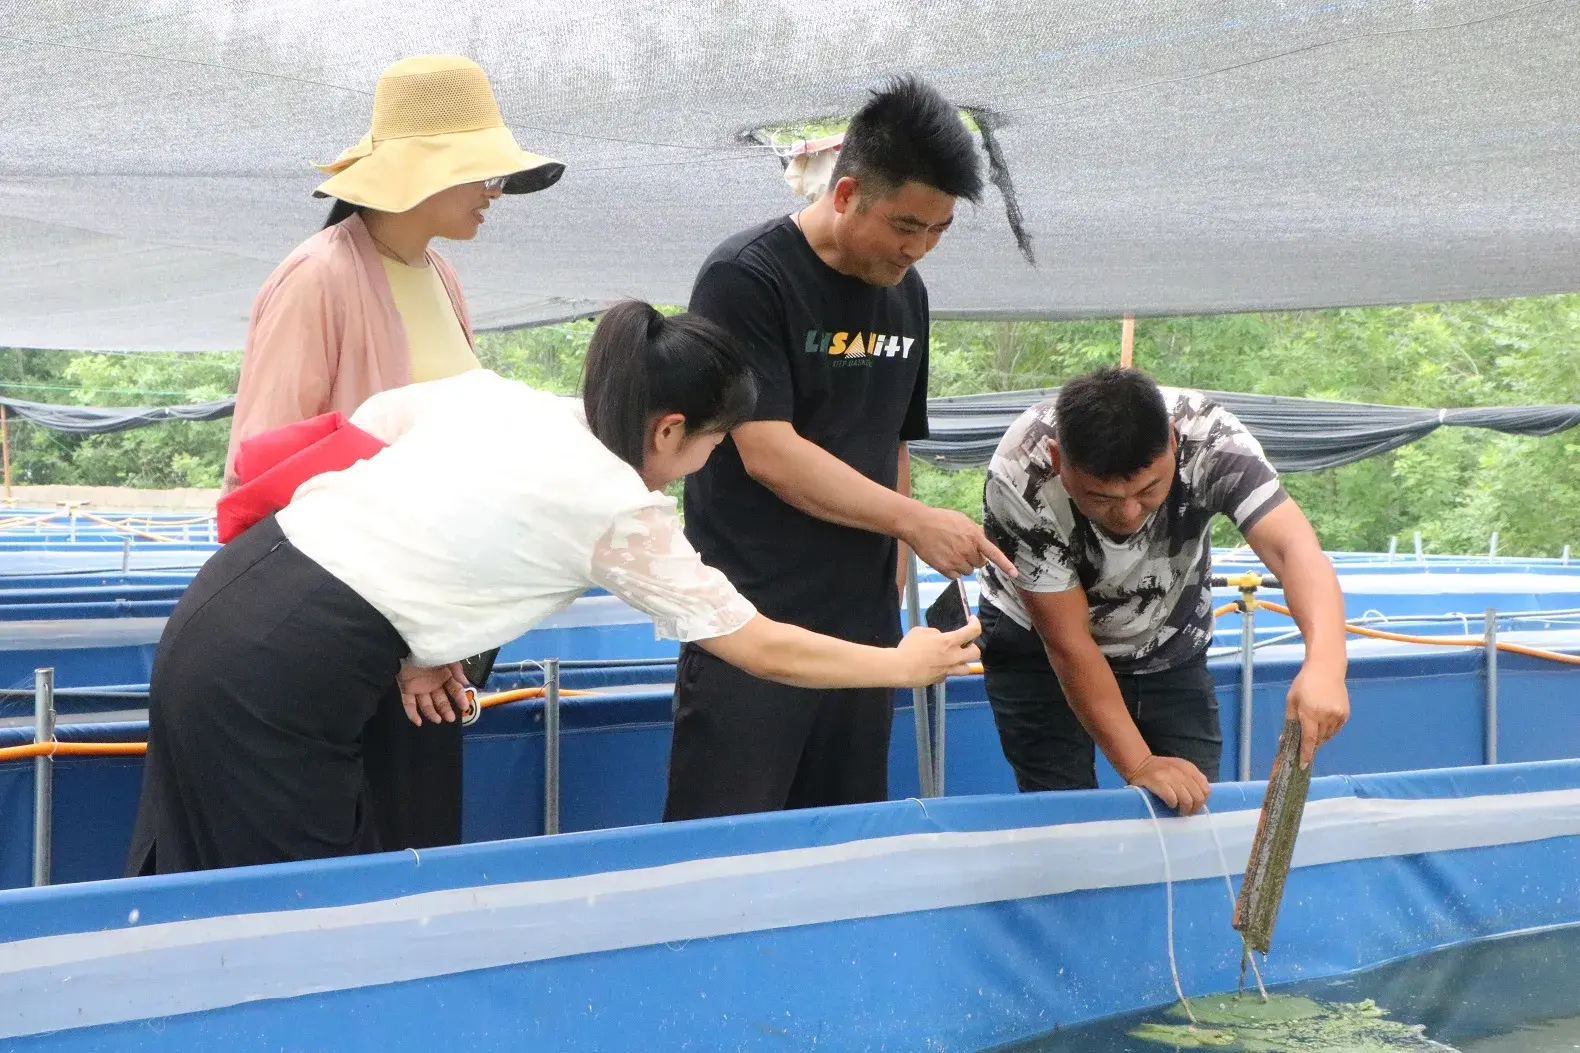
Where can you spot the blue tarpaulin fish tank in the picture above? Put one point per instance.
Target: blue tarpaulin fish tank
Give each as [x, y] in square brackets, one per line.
[1431, 902]
[953, 924]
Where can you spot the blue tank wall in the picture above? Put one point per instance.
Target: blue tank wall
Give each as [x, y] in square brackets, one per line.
[944, 925]
[104, 631]
[1410, 709]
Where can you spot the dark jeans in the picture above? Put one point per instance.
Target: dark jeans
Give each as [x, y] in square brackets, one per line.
[1176, 711]
[747, 745]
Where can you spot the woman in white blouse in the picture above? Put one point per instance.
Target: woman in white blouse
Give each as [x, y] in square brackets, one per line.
[277, 655]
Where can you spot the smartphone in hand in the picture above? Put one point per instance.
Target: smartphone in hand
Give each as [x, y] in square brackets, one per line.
[950, 611]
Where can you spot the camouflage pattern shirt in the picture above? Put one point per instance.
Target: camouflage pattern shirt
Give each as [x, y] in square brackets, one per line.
[1149, 594]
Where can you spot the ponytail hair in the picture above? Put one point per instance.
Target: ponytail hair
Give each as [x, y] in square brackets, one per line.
[641, 365]
[341, 211]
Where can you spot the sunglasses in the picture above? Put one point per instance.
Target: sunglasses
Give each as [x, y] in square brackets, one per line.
[497, 183]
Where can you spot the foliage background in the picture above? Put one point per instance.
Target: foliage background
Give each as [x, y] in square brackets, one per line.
[1456, 487]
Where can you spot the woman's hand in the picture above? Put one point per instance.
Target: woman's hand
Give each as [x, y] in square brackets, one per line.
[437, 692]
[927, 656]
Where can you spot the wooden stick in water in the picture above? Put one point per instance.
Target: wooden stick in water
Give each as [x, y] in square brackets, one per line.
[1262, 891]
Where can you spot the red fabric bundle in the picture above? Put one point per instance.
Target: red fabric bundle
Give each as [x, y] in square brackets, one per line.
[272, 465]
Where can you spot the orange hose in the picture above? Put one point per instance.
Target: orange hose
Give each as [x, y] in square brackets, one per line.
[17, 521]
[522, 693]
[129, 529]
[1537, 652]
[136, 749]
[149, 522]
[74, 749]
[1444, 641]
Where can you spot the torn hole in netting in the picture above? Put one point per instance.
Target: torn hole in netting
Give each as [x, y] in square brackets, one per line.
[808, 150]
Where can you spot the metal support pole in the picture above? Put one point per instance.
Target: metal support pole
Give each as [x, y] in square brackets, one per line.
[1490, 635]
[126, 555]
[551, 746]
[1566, 555]
[1420, 553]
[43, 775]
[1247, 677]
[924, 750]
[1393, 547]
[938, 739]
[5, 449]
[1492, 546]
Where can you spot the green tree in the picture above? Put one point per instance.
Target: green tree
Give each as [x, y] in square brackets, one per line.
[172, 454]
[548, 357]
[38, 455]
[1456, 486]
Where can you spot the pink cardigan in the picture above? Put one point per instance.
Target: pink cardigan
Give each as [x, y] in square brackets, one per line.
[325, 335]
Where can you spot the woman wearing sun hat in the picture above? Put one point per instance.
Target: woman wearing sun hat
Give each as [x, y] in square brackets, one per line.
[330, 328]
[366, 305]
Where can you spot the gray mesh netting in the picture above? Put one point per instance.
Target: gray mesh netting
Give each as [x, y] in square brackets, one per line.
[1166, 156]
[1298, 435]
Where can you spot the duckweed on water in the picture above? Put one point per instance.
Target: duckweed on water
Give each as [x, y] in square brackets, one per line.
[1285, 1024]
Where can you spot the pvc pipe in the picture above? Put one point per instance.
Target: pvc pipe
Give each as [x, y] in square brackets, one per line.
[924, 750]
[939, 723]
[551, 746]
[43, 776]
[1247, 686]
[1491, 716]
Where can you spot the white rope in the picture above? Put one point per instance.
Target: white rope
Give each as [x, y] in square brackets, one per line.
[1168, 892]
[1228, 887]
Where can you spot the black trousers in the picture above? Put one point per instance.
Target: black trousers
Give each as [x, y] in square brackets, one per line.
[747, 745]
[275, 726]
[414, 777]
[1176, 711]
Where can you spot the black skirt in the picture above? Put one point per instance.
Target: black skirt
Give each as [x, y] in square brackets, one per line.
[275, 726]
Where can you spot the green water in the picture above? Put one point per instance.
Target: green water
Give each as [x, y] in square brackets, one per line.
[1514, 994]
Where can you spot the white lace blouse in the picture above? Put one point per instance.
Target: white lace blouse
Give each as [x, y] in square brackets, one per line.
[492, 508]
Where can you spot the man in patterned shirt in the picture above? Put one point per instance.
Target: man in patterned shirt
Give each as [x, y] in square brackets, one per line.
[1104, 498]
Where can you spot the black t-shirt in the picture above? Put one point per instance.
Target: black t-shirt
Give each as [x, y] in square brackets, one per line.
[846, 364]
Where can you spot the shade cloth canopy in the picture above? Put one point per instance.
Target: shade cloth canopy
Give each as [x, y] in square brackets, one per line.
[1167, 156]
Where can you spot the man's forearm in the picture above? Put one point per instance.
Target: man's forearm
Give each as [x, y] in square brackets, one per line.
[809, 478]
[1317, 605]
[1288, 545]
[1093, 694]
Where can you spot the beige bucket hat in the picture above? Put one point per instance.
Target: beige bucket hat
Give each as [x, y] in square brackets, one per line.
[435, 125]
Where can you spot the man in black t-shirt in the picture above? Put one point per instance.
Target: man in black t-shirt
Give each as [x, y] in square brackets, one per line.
[801, 507]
